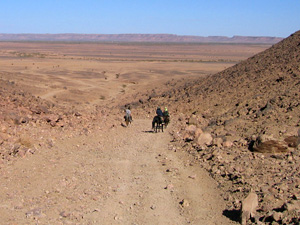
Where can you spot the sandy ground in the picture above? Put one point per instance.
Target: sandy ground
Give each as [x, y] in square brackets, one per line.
[122, 176]
[125, 176]
[87, 74]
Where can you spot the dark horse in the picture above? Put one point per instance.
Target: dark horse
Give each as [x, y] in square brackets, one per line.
[157, 124]
[166, 120]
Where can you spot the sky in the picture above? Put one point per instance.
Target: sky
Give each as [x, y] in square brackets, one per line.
[276, 18]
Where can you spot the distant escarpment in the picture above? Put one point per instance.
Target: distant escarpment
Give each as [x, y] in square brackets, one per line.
[155, 38]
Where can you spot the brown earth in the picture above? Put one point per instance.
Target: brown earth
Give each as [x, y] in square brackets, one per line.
[67, 159]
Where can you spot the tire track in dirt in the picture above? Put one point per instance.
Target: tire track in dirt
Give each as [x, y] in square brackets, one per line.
[114, 177]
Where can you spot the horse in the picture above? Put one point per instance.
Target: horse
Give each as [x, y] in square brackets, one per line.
[166, 120]
[128, 119]
[157, 124]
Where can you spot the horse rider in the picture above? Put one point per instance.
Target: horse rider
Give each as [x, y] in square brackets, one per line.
[166, 112]
[159, 112]
[166, 117]
[159, 117]
[128, 114]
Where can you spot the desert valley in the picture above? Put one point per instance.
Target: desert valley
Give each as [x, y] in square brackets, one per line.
[67, 156]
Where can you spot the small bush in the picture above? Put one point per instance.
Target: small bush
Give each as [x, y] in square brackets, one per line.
[26, 142]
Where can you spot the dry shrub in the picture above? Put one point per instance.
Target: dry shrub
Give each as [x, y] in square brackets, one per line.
[26, 141]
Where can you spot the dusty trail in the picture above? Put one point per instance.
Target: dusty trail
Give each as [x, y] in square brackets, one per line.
[124, 176]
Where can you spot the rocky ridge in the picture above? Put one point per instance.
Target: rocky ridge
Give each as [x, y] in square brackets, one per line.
[243, 126]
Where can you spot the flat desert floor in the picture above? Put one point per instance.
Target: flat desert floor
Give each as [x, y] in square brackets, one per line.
[86, 74]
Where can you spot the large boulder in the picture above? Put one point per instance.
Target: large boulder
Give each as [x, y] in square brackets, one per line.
[268, 144]
[292, 141]
[189, 133]
[193, 120]
[204, 139]
[249, 205]
[293, 205]
[197, 120]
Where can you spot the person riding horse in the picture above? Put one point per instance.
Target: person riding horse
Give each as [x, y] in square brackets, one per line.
[128, 117]
[166, 116]
[158, 118]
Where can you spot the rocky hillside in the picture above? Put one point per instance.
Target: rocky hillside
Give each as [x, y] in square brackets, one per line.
[242, 125]
[29, 123]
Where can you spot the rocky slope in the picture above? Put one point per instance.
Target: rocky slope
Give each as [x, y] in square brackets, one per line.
[29, 123]
[242, 125]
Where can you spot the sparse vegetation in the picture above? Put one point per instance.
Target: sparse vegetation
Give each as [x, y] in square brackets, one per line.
[27, 55]
[26, 141]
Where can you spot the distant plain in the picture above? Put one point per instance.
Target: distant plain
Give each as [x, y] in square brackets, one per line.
[87, 74]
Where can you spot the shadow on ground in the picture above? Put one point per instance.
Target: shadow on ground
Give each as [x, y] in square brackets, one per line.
[234, 214]
[148, 131]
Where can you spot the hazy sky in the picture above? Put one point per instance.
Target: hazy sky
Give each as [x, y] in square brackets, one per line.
[183, 17]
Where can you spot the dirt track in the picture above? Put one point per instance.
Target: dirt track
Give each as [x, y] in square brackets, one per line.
[131, 176]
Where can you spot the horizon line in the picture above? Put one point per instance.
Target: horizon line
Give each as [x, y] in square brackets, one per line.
[236, 35]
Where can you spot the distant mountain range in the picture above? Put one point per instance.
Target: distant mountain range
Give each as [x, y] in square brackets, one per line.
[156, 38]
